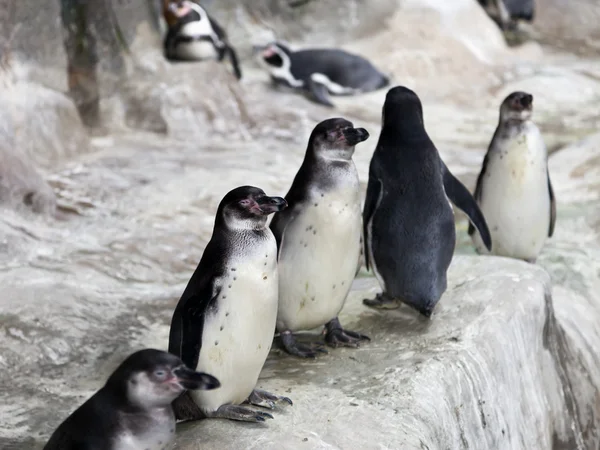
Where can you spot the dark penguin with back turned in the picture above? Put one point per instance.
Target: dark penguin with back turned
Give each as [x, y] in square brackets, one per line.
[193, 35]
[320, 72]
[133, 410]
[319, 238]
[506, 13]
[409, 230]
[225, 319]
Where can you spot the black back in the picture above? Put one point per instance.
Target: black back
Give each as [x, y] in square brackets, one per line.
[413, 235]
[94, 424]
[413, 232]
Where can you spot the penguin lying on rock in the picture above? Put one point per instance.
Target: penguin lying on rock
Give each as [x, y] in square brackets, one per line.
[133, 410]
[320, 72]
[193, 35]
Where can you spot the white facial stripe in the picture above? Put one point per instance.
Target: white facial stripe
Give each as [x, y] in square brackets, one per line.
[283, 72]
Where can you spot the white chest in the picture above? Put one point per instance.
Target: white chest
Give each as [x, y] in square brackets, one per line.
[318, 259]
[238, 336]
[159, 434]
[515, 198]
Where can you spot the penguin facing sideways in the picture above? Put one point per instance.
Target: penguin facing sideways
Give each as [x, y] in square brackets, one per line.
[318, 238]
[506, 13]
[319, 72]
[133, 410]
[225, 319]
[513, 189]
[193, 35]
[408, 219]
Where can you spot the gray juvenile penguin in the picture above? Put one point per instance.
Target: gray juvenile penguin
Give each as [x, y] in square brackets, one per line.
[513, 189]
[408, 221]
[133, 410]
[319, 238]
[225, 319]
[321, 71]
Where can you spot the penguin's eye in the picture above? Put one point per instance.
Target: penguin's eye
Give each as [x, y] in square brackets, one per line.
[245, 202]
[160, 374]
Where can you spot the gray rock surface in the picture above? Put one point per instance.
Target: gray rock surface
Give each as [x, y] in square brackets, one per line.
[510, 360]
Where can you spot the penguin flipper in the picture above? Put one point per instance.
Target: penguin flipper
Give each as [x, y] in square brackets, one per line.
[373, 192]
[318, 92]
[479, 186]
[462, 198]
[185, 336]
[552, 207]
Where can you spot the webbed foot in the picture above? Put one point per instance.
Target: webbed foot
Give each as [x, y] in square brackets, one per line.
[338, 337]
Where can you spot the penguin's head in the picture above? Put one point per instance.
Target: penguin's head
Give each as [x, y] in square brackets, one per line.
[335, 139]
[402, 110]
[275, 56]
[247, 207]
[153, 378]
[174, 11]
[517, 106]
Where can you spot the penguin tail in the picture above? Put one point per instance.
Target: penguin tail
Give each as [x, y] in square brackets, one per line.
[185, 408]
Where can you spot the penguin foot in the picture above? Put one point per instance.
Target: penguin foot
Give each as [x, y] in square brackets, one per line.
[258, 397]
[338, 337]
[297, 349]
[382, 301]
[241, 413]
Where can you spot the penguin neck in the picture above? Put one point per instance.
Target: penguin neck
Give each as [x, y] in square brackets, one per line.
[240, 224]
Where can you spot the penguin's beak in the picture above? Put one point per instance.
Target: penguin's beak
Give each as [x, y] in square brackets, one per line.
[190, 379]
[268, 205]
[526, 100]
[354, 136]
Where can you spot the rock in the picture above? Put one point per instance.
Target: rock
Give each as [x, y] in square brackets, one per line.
[487, 372]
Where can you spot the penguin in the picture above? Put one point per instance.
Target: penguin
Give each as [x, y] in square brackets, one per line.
[225, 319]
[408, 219]
[193, 35]
[506, 13]
[513, 189]
[318, 239]
[133, 409]
[320, 72]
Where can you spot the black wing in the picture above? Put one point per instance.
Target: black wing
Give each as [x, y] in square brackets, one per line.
[479, 187]
[187, 325]
[89, 427]
[462, 198]
[374, 187]
[552, 207]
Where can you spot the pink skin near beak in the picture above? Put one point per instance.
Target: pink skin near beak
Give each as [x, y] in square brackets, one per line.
[179, 10]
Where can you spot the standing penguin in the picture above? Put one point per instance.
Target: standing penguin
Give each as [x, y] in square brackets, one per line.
[408, 221]
[133, 410]
[225, 319]
[513, 188]
[320, 72]
[193, 35]
[318, 238]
